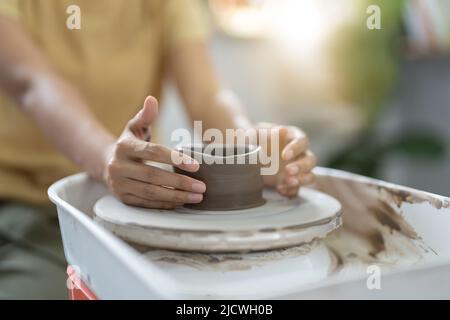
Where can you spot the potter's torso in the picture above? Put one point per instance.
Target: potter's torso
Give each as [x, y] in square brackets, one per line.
[115, 60]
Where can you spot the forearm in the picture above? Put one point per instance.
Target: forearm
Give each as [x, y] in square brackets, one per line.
[203, 94]
[224, 111]
[67, 123]
[56, 107]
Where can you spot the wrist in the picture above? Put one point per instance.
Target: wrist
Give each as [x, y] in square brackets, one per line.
[105, 159]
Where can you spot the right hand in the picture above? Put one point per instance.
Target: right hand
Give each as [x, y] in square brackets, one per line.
[139, 184]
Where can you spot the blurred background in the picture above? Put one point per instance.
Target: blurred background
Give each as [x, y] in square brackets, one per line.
[374, 102]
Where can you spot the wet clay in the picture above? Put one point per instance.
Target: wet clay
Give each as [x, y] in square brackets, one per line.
[388, 217]
[404, 196]
[232, 180]
[374, 229]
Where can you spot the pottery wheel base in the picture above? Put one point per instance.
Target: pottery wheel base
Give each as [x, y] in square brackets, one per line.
[279, 223]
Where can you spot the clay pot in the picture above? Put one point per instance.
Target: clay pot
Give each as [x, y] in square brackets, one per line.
[231, 174]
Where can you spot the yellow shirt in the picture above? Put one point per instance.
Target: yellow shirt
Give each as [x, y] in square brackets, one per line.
[115, 60]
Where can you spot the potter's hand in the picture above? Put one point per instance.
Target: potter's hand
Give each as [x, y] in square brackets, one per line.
[140, 184]
[296, 161]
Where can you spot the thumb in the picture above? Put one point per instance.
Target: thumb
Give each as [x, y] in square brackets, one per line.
[145, 117]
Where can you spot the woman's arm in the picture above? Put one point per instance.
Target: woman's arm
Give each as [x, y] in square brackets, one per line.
[55, 106]
[203, 95]
[68, 124]
[205, 99]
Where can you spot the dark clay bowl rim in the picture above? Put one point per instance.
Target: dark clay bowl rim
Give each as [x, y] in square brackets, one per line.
[255, 149]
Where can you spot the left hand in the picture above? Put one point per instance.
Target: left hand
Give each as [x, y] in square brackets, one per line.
[296, 161]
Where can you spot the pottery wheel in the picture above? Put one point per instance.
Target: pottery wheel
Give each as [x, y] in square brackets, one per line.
[279, 223]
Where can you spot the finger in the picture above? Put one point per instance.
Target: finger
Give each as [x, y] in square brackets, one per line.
[157, 176]
[299, 180]
[144, 203]
[302, 165]
[291, 181]
[295, 182]
[132, 148]
[307, 178]
[158, 193]
[144, 118]
[287, 191]
[292, 192]
[295, 148]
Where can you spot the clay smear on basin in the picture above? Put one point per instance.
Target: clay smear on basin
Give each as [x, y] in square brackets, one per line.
[374, 230]
[402, 196]
[388, 217]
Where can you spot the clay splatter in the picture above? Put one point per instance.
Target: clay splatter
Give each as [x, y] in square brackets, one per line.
[374, 229]
[388, 217]
[400, 196]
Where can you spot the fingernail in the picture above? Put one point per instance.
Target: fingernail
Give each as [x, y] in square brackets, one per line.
[288, 155]
[195, 197]
[293, 182]
[191, 167]
[198, 187]
[190, 163]
[293, 170]
[188, 160]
